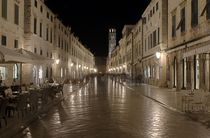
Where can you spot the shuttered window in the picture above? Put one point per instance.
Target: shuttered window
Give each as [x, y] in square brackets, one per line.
[16, 14]
[174, 26]
[3, 40]
[207, 9]
[4, 9]
[183, 20]
[35, 26]
[194, 12]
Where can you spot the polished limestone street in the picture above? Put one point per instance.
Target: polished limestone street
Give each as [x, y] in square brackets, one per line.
[107, 109]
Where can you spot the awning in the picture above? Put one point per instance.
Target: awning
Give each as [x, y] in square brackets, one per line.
[11, 56]
[34, 58]
[200, 50]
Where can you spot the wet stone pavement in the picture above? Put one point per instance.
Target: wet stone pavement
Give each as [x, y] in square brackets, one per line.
[106, 109]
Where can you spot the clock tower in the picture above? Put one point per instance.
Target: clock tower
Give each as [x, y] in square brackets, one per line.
[112, 40]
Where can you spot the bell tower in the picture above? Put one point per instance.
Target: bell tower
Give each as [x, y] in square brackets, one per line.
[112, 40]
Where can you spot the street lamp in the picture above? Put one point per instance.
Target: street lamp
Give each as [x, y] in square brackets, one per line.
[72, 64]
[157, 55]
[57, 61]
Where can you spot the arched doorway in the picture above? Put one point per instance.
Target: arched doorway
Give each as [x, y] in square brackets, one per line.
[40, 75]
[15, 72]
[175, 73]
[196, 72]
[184, 69]
[47, 72]
[35, 76]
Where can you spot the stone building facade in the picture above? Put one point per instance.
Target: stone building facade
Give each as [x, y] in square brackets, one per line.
[82, 60]
[145, 45]
[127, 36]
[174, 45]
[61, 50]
[29, 27]
[137, 50]
[188, 45]
[155, 42]
[39, 39]
[11, 35]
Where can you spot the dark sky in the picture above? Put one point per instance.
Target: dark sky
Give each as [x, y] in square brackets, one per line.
[90, 20]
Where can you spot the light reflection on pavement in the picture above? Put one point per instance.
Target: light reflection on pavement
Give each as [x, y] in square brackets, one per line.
[106, 109]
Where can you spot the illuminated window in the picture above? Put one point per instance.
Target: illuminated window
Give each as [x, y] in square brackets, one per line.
[40, 72]
[145, 73]
[34, 72]
[61, 72]
[185, 72]
[65, 72]
[157, 73]
[3, 72]
[149, 72]
[15, 71]
[197, 72]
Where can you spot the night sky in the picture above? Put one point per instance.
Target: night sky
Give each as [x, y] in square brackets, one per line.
[90, 20]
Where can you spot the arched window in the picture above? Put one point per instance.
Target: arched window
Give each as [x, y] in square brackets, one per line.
[175, 73]
[40, 72]
[47, 72]
[65, 72]
[197, 72]
[15, 71]
[51, 71]
[149, 71]
[34, 72]
[61, 72]
[184, 72]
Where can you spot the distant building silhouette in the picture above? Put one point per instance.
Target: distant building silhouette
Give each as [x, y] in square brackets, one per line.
[100, 63]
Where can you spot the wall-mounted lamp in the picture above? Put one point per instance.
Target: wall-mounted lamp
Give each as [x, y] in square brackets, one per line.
[57, 61]
[157, 55]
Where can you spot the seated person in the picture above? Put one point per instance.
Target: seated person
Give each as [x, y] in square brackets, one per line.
[32, 86]
[11, 106]
[51, 80]
[8, 92]
[24, 87]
